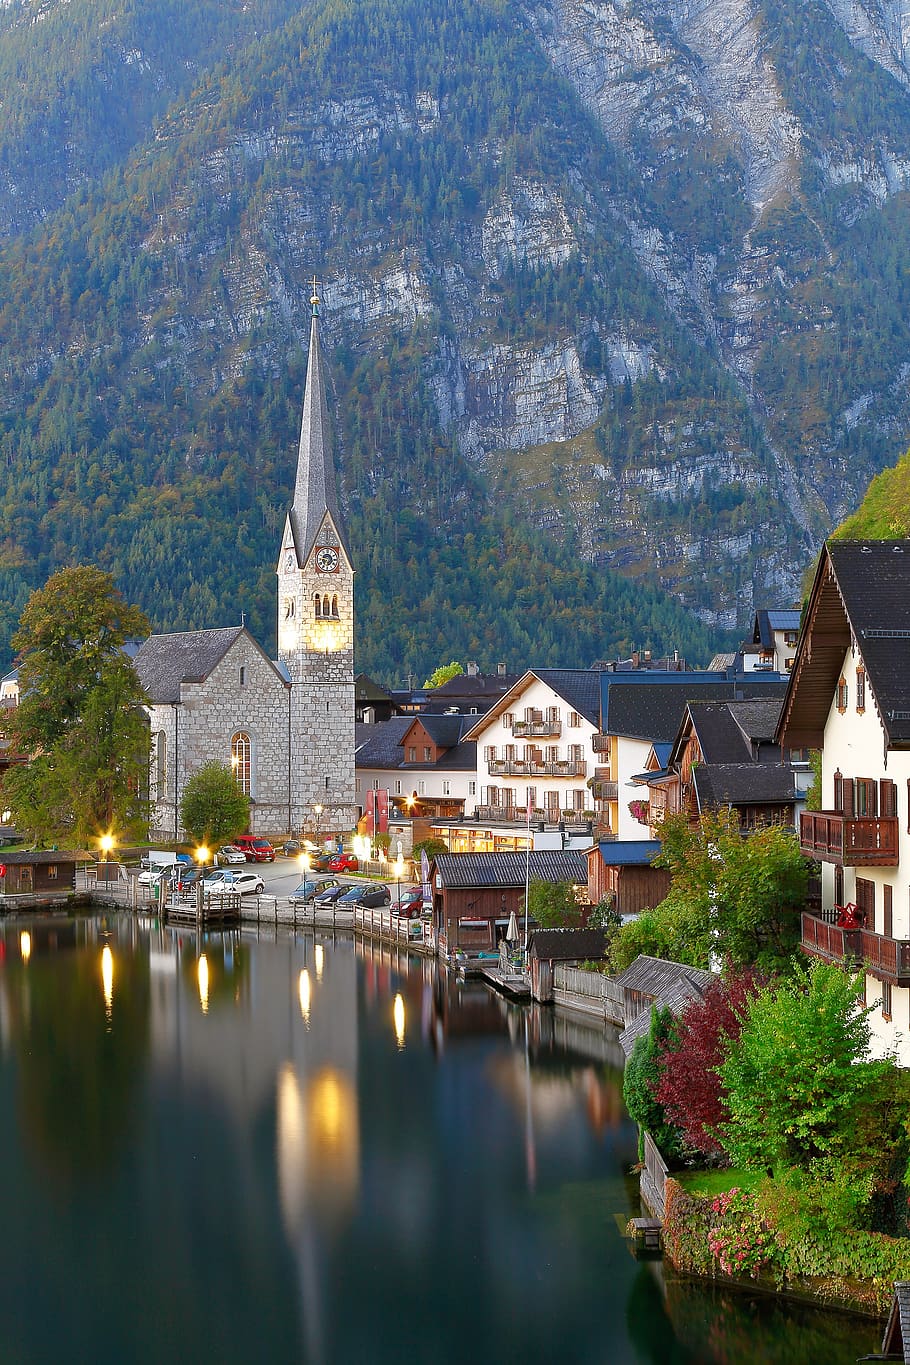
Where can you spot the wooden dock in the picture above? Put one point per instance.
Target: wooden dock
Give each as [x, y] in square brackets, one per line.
[204, 912]
[513, 984]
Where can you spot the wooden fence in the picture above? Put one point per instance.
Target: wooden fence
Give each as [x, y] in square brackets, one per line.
[591, 992]
[654, 1178]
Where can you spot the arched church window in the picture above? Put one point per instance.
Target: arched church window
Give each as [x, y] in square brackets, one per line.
[288, 608]
[241, 760]
[326, 610]
[317, 603]
[161, 765]
[334, 606]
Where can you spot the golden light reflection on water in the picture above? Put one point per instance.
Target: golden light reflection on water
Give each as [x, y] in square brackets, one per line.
[25, 945]
[202, 976]
[319, 957]
[304, 994]
[107, 979]
[318, 1143]
[398, 1020]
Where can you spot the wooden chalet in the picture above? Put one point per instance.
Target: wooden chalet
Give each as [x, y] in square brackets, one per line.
[546, 947]
[621, 870]
[39, 874]
[475, 893]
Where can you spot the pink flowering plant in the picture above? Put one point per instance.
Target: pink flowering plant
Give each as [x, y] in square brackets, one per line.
[639, 811]
[740, 1240]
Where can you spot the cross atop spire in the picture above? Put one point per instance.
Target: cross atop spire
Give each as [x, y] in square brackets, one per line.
[314, 296]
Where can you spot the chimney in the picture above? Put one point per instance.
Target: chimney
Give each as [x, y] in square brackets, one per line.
[647, 656]
[473, 670]
[501, 670]
[636, 658]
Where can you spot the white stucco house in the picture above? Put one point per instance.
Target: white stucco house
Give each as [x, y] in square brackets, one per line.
[849, 696]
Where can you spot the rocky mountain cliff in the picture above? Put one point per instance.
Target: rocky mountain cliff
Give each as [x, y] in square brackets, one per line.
[616, 296]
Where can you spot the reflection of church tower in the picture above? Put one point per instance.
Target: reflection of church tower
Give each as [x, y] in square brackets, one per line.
[316, 620]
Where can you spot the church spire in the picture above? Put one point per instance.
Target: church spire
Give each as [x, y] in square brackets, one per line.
[314, 487]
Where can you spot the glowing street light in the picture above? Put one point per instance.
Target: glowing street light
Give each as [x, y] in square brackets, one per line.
[106, 845]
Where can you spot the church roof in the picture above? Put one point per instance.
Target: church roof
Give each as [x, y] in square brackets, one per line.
[166, 661]
[314, 489]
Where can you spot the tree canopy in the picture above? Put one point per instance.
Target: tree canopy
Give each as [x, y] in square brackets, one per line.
[80, 719]
[213, 809]
[732, 896]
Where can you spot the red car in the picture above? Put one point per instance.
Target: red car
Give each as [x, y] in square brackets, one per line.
[343, 862]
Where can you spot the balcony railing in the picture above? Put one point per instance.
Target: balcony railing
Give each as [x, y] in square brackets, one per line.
[886, 958]
[519, 767]
[850, 841]
[604, 791]
[600, 744]
[537, 729]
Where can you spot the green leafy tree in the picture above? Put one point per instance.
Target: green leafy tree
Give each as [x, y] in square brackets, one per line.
[213, 808]
[731, 897]
[641, 1079]
[431, 846]
[444, 673]
[80, 716]
[554, 905]
[798, 1078]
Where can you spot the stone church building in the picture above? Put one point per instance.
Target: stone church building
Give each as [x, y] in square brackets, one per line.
[286, 726]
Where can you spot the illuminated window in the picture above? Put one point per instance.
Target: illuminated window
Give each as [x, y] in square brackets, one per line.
[241, 756]
[335, 606]
[317, 605]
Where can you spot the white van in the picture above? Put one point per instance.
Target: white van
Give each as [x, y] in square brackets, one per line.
[155, 863]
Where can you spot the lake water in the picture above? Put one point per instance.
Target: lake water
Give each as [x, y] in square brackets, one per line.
[281, 1147]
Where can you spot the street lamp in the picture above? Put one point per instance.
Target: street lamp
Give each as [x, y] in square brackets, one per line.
[317, 812]
[399, 870]
[106, 844]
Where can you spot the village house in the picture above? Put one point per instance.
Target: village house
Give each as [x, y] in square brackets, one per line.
[475, 893]
[849, 696]
[421, 761]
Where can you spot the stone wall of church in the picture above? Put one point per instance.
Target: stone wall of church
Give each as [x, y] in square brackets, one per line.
[243, 693]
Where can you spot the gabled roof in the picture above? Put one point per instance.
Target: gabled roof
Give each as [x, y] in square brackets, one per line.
[314, 488]
[381, 744]
[896, 1338]
[674, 995]
[165, 661]
[743, 784]
[653, 710]
[444, 731]
[367, 690]
[508, 869]
[767, 622]
[649, 975]
[861, 595]
[579, 688]
[567, 945]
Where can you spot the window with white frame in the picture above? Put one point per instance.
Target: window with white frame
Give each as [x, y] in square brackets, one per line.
[507, 718]
[472, 787]
[446, 787]
[242, 760]
[574, 720]
[421, 788]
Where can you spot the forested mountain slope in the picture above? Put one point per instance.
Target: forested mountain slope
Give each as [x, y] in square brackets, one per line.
[615, 301]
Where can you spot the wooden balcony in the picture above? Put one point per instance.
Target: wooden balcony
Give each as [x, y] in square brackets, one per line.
[537, 729]
[600, 744]
[886, 958]
[849, 841]
[519, 767]
[604, 791]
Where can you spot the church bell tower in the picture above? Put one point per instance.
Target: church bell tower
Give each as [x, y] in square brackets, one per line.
[316, 621]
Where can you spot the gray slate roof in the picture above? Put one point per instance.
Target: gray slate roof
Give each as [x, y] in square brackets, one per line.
[874, 582]
[653, 711]
[896, 1339]
[579, 687]
[567, 945]
[444, 731]
[379, 745]
[165, 661]
[673, 985]
[508, 869]
[314, 489]
[743, 784]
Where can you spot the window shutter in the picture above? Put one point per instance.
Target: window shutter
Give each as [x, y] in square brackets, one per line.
[887, 793]
[847, 798]
[839, 790]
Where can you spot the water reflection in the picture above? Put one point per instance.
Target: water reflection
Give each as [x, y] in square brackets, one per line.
[379, 1162]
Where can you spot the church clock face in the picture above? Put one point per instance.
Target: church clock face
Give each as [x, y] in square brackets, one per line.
[327, 559]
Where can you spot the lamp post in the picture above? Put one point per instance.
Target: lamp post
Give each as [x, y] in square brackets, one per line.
[317, 813]
[399, 869]
[105, 845]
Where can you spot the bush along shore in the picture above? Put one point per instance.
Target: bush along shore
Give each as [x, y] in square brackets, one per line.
[789, 1146]
[761, 1238]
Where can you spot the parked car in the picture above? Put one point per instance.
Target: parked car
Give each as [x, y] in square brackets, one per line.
[344, 862]
[151, 876]
[330, 895]
[372, 896]
[186, 876]
[244, 882]
[255, 848]
[291, 847]
[228, 855]
[319, 862]
[307, 890]
[411, 903]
